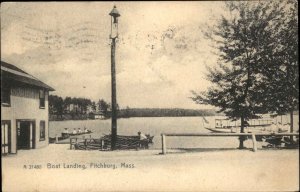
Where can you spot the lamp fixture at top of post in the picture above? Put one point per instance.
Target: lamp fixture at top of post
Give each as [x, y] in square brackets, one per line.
[114, 22]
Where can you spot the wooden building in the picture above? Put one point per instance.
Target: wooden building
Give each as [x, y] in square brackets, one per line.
[96, 115]
[24, 110]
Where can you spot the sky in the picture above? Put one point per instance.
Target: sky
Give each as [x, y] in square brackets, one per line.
[161, 52]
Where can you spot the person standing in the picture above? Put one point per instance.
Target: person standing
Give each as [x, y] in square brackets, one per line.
[143, 140]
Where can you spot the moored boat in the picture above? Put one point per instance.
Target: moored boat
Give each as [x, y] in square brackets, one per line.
[227, 126]
[82, 133]
[67, 135]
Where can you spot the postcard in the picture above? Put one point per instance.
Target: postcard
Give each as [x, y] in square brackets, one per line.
[150, 96]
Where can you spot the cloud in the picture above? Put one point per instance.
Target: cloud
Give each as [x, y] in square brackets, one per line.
[160, 54]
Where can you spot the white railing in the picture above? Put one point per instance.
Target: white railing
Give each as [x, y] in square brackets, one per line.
[253, 135]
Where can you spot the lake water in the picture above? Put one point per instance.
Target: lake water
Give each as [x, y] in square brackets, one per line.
[155, 126]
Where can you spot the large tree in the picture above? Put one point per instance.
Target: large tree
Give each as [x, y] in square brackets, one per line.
[244, 39]
[282, 73]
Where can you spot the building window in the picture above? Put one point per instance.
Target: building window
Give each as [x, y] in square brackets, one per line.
[5, 96]
[42, 130]
[42, 99]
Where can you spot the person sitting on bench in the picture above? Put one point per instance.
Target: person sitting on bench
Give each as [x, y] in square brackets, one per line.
[74, 131]
[66, 131]
[79, 130]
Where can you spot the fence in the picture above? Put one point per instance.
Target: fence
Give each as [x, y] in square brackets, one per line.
[253, 135]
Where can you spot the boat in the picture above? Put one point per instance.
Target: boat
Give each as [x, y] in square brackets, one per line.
[67, 135]
[75, 134]
[220, 130]
[228, 126]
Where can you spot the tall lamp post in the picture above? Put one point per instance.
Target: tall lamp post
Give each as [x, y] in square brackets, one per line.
[113, 35]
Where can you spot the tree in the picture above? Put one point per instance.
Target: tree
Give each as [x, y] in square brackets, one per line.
[84, 105]
[103, 107]
[67, 103]
[56, 105]
[289, 37]
[243, 40]
[126, 112]
[94, 106]
[282, 74]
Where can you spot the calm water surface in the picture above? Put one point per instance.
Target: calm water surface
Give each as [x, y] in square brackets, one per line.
[153, 126]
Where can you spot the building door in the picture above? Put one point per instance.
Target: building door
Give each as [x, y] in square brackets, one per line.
[33, 139]
[5, 137]
[26, 134]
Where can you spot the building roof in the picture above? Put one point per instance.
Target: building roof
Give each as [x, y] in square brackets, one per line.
[13, 73]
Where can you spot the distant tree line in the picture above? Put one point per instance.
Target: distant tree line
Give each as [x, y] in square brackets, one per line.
[82, 108]
[164, 112]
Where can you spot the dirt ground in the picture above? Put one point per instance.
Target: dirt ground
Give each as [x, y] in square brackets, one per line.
[57, 168]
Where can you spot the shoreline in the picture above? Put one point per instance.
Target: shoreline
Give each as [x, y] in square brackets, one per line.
[108, 118]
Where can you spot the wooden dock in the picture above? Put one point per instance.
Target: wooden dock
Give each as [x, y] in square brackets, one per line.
[124, 142]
